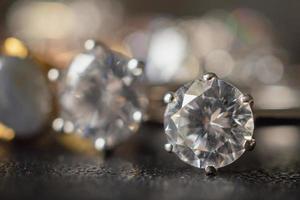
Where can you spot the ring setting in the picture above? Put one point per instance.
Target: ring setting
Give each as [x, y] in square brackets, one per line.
[100, 97]
[209, 123]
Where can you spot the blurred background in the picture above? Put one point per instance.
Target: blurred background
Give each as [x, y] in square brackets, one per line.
[254, 44]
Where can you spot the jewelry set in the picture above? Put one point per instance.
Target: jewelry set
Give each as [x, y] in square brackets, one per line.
[208, 122]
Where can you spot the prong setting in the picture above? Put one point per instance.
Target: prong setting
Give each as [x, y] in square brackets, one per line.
[90, 44]
[58, 125]
[113, 75]
[68, 127]
[209, 76]
[53, 75]
[210, 171]
[168, 97]
[100, 144]
[250, 144]
[212, 95]
[136, 67]
[247, 99]
[137, 116]
[168, 147]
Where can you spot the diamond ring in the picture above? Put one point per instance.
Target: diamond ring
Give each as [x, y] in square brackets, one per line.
[100, 96]
[209, 123]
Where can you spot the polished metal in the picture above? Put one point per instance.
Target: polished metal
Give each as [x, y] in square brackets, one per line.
[100, 144]
[209, 76]
[168, 148]
[168, 97]
[58, 125]
[210, 171]
[248, 99]
[250, 144]
[136, 67]
[53, 75]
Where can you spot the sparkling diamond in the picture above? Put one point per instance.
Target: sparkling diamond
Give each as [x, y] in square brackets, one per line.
[25, 98]
[207, 124]
[101, 96]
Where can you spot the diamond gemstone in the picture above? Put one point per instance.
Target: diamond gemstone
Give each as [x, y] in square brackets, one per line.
[101, 96]
[207, 124]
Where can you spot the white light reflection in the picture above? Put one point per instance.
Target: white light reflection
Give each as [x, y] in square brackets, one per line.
[132, 64]
[78, 66]
[166, 55]
[165, 48]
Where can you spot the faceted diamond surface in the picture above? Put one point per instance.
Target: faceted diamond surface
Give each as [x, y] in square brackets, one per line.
[207, 124]
[25, 98]
[99, 96]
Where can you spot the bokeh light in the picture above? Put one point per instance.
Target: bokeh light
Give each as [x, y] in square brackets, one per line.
[238, 45]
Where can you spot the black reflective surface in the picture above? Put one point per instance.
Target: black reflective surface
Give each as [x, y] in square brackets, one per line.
[141, 169]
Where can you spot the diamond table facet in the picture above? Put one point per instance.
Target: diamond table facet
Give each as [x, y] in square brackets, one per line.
[207, 124]
[99, 96]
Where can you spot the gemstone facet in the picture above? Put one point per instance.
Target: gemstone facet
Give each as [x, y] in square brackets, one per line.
[25, 98]
[207, 124]
[99, 95]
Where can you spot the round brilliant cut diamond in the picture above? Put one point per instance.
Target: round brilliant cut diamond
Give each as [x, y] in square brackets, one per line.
[207, 124]
[100, 96]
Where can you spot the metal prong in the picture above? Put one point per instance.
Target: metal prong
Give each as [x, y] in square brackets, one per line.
[209, 76]
[169, 148]
[90, 44]
[247, 99]
[58, 124]
[53, 74]
[100, 144]
[135, 66]
[137, 116]
[68, 127]
[168, 97]
[250, 144]
[210, 171]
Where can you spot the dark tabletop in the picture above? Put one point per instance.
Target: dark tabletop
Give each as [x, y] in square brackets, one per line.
[55, 167]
